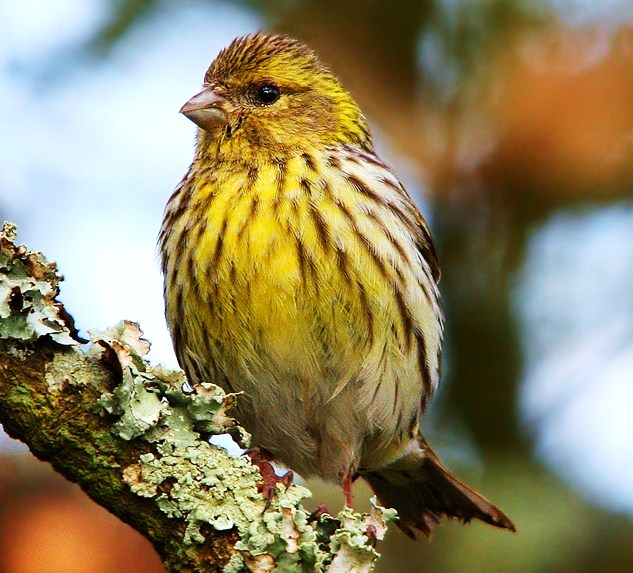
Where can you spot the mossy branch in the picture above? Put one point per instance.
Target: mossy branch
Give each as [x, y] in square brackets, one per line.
[135, 438]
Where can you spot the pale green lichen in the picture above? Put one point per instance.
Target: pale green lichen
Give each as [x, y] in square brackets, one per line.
[135, 402]
[146, 391]
[351, 546]
[193, 480]
[28, 287]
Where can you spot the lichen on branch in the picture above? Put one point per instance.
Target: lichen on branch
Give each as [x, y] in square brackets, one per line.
[136, 438]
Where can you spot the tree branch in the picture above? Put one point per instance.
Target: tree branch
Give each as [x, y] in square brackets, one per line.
[135, 438]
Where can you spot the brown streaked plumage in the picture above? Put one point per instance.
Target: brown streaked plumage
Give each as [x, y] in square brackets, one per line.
[299, 272]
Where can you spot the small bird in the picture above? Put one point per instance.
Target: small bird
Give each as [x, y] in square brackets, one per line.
[299, 272]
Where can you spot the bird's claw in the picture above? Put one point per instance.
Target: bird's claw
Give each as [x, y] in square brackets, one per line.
[321, 509]
[268, 488]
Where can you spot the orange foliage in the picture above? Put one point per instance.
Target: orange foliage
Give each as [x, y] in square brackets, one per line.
[565, 125]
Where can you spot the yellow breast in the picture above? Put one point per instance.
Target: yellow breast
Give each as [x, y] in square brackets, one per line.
[277, 273]
[299, 276]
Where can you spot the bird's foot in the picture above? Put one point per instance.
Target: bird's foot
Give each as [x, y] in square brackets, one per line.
[347, 489]
[268, 488]
[321, 509]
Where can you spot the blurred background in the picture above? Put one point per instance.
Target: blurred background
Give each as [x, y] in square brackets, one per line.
[510, 122]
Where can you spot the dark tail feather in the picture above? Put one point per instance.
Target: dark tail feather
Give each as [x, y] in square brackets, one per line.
[426, 494]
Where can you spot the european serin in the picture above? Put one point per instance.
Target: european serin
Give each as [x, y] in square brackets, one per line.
[299, 272]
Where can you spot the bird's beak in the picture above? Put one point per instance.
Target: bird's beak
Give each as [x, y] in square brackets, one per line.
[207, 110]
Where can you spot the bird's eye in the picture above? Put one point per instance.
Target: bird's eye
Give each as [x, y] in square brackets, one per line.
[268, 94]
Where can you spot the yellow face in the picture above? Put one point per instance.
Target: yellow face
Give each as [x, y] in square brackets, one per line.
[274, 95]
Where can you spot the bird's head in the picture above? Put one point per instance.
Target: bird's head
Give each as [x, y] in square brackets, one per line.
[271, 94]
